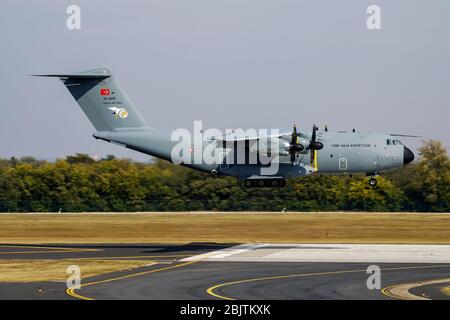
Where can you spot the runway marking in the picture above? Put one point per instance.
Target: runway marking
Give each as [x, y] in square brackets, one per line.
[360, 253]
[133, 257]
[401, 291]
[211, 292]
[71, 291]
[50, 249]
[226, 252]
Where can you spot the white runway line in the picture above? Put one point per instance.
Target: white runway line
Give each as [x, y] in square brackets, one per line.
[225, 253]
[404, 253]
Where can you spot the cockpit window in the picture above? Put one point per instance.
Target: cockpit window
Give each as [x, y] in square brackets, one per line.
[393, 142]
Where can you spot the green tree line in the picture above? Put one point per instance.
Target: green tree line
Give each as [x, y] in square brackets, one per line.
[80, 183]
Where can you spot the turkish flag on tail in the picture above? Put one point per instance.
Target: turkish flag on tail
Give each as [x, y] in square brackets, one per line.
[104, 92]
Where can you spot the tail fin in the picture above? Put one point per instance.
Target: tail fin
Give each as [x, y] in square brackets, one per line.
[102, 100]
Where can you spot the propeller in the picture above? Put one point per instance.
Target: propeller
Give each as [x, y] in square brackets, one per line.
[294, 146]
[314, 145]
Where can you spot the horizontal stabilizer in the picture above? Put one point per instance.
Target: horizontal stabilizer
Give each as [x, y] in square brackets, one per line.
[99, 74]
[74, 76]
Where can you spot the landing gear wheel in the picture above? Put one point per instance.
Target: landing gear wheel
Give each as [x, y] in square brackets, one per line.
[372, 182]
[261, 183]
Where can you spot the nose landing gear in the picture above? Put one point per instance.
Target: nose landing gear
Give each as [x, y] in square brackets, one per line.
[373, 181]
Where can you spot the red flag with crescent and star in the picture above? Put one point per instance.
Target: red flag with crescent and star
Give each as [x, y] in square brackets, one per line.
[104, 92]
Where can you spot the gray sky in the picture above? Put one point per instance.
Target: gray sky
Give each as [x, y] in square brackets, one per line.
[230, 63]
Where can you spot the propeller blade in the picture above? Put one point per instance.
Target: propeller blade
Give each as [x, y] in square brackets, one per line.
[313, 144]
[313, 138]
[293, 146]
[294, 136]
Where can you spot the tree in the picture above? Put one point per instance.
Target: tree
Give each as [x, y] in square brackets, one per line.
[109, 157]
[80, 158]
[80, 183]
[384, 197]
[434, 176]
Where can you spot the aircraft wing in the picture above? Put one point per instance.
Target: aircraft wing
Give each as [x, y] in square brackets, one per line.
[241, 137]
[404, 135]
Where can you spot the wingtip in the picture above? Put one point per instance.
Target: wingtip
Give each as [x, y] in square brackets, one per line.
[405, 135]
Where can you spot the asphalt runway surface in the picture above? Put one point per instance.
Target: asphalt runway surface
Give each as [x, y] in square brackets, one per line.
[175, 276]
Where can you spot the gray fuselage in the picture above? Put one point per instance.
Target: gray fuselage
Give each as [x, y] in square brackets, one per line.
[343, 153]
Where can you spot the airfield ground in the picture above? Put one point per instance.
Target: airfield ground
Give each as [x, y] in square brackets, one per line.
[225, 228]
[224, 255]
[21, 270]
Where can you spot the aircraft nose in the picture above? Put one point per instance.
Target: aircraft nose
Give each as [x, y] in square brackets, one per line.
[408, 155]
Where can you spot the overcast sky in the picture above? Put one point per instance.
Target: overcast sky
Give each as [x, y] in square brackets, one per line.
[230, 63]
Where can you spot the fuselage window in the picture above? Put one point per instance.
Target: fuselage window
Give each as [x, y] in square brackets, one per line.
[388, 142]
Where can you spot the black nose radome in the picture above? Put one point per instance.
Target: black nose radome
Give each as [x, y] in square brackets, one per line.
[408, 156]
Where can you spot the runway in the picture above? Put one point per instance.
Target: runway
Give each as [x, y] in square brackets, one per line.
[224, 271]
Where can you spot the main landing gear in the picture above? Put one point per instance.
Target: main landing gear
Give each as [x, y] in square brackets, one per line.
[260, 183]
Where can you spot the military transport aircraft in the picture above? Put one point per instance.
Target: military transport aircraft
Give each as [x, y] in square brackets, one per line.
[300, 152]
